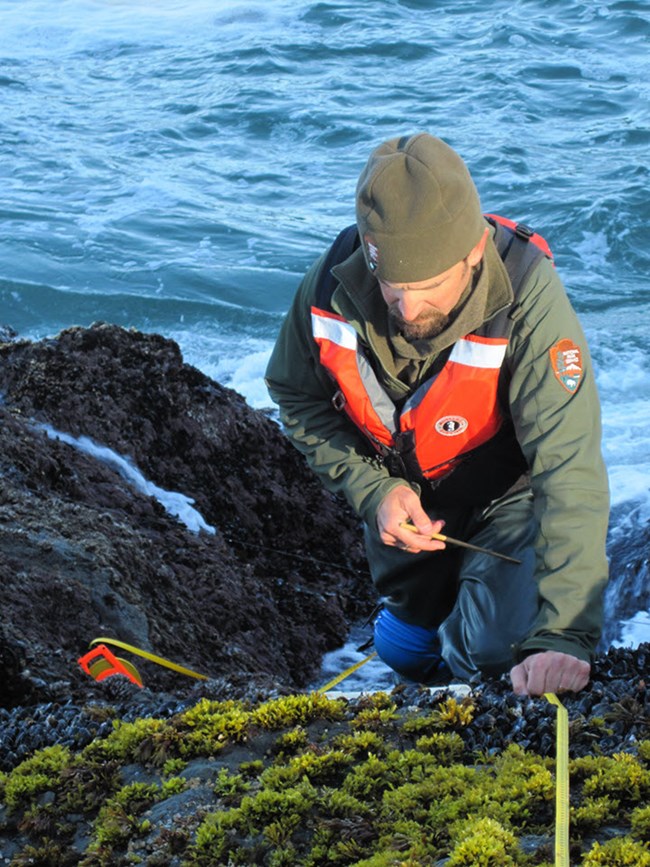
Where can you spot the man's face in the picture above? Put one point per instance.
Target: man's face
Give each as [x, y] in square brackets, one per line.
[421, 310]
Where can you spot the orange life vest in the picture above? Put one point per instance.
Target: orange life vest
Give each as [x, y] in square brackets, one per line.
[455, 411]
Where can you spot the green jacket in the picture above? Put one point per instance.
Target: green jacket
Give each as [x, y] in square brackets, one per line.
[558, 431]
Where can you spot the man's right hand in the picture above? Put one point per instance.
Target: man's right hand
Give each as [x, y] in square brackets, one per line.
[402, 505]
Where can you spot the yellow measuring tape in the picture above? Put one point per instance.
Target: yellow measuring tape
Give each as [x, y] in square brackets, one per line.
[561, 782]
[346, 673]
[159, 660]
[102, 667]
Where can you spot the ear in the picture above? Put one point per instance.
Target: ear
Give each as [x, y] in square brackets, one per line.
[476, 253]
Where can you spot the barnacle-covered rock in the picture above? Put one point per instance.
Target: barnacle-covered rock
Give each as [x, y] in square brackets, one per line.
[307, 780]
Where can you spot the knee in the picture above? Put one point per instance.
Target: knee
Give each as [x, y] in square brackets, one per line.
[496, 611]
[412, 651]
[490, 642]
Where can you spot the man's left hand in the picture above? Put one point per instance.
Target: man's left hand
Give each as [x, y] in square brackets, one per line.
[549, 671]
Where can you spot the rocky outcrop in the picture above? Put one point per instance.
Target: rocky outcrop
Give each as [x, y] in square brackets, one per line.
[85, 553]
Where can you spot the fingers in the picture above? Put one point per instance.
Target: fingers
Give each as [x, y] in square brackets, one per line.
[402, 505]
[417, 540]
[573, 679]
[519, 680]
[549, 671]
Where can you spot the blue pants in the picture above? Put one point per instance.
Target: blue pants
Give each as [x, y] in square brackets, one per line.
[470, 609]
[412, 651]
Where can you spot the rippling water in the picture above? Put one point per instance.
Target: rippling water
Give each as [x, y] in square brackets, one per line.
[176, 166]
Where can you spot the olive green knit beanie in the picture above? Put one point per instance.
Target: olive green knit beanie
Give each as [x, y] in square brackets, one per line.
[418, 211]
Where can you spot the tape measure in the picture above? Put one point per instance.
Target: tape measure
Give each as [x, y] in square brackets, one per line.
[100, 663]
[561, 782]
[346, 673]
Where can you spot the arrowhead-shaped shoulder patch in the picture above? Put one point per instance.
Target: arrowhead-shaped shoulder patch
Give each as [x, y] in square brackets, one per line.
[566, 360]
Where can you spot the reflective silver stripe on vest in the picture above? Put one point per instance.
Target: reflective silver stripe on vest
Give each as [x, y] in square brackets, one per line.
[382, 404]
[339, 332]
[474, 354]
[343, 334]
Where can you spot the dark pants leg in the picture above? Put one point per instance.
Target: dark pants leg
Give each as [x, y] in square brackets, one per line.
[481, 605]
[497, 602]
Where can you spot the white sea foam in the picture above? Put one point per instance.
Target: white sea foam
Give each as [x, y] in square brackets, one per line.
[634, 631]
[372, 676]
[593, 251]
[246, 376]
[41, 28]
[176, 504]
[619, 348]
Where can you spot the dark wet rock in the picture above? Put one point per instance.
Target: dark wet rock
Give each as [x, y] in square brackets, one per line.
[84, 554]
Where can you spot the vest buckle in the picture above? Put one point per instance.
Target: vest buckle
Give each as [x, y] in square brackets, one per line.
[524, 232]
[338, 400]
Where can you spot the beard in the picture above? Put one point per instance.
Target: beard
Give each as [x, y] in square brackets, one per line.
[427, 325]
[431, 321]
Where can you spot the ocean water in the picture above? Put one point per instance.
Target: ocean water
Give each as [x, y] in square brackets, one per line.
[176, 166]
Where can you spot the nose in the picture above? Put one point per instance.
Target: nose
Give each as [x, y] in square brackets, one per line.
[409, 307]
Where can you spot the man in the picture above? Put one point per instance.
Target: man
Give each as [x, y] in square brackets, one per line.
[438, 377]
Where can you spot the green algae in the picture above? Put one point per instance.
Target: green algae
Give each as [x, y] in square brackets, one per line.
[640, 823]
[34, 776]
[230, 787]
[450, 713]
[483, 842]
[367, 784]
[291, 710]
[619, 852]
[292, 741]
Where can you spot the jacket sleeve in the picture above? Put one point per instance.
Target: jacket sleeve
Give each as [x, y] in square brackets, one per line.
[333, 447]
[559, 430]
